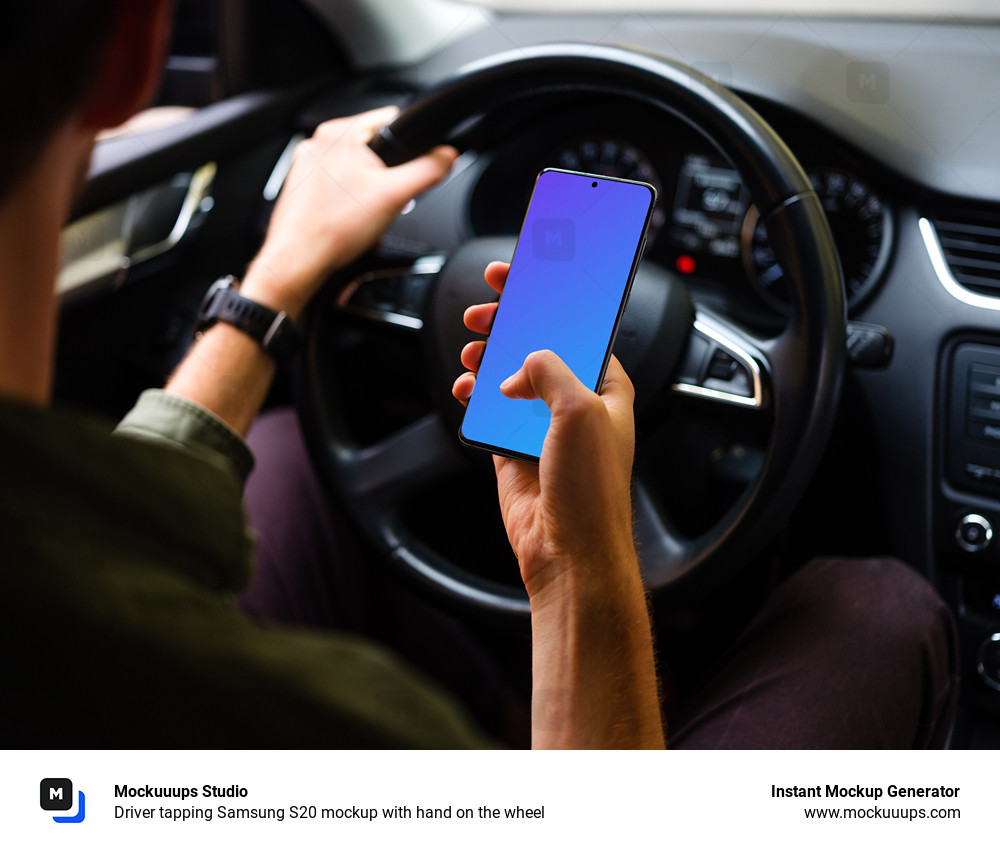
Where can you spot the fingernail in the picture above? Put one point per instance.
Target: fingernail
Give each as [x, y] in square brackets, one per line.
[507, 383]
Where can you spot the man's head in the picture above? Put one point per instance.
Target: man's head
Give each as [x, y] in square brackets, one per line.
[92, 61]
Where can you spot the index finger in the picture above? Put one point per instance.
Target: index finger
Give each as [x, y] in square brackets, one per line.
[496, 275]
[617, 391]
[617, 383]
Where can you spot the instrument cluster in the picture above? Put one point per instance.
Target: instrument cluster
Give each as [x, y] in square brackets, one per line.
[706, 227]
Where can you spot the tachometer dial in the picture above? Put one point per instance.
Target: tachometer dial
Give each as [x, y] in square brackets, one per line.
[614, 158]
[861, 227]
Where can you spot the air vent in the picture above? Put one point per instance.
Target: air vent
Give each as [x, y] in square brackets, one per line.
[970, 242]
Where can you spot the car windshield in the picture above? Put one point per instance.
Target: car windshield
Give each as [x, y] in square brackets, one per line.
[962, 9]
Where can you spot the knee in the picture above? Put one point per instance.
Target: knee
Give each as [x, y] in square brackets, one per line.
[881, 601]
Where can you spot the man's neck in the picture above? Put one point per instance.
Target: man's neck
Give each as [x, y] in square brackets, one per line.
[31, 221]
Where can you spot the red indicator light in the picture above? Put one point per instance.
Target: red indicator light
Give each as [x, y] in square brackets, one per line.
[685, 264]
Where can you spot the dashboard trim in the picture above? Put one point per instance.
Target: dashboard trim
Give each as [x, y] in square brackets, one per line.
[281, 168]
[943, 271]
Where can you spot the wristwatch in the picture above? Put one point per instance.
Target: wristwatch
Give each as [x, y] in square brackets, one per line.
[275, 332]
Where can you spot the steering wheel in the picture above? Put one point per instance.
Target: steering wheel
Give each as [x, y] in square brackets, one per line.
[793, 377]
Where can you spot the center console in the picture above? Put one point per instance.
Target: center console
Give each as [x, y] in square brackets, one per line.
[967, 507]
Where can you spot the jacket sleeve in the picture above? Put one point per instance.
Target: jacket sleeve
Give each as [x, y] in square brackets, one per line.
[159, 417]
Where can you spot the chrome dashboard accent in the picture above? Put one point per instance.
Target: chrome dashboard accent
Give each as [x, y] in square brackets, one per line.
[198, 197]
[281, 168]
[99, 249]
[943, 271]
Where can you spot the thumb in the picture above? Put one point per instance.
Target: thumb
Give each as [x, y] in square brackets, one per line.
[544, 375]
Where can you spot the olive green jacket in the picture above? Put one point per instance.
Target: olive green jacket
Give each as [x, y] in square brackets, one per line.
[120, 555]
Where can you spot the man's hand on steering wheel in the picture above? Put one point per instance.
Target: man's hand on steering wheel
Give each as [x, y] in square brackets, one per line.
[337, 200]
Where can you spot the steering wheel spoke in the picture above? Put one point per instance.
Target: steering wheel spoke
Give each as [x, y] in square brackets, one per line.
[724, 364]
[659, 544]
[380, 475]
[392, 296]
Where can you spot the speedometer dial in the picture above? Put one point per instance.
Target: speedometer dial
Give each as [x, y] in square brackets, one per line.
[861, 228]
[614, 158]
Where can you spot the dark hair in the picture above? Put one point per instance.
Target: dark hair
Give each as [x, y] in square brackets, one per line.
[50, 56]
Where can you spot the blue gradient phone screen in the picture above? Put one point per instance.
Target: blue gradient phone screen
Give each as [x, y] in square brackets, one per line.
[566, 289]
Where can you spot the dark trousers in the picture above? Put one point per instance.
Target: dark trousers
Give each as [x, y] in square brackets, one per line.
[846, 653]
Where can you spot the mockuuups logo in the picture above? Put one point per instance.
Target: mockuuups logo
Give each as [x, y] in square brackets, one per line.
[56, 795]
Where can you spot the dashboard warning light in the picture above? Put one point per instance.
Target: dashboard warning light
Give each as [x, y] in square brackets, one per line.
[685, 264]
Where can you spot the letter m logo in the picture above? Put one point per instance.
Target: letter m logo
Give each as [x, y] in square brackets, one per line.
[553, 239]
[56, 795]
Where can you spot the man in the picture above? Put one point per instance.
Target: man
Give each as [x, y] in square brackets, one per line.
[144, 646]
[120, 553]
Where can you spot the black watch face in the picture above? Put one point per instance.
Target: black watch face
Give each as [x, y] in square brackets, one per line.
[275, 332]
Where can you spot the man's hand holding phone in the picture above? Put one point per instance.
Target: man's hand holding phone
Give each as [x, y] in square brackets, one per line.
[568, 519]
[566, 290]
[575, 503]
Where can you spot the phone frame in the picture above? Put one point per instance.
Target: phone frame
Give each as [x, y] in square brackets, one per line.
[640, 247]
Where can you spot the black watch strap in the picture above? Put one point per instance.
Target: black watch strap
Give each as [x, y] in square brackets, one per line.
[275, 332]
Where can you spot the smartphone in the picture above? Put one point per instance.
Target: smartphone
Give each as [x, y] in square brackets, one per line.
[569, 281]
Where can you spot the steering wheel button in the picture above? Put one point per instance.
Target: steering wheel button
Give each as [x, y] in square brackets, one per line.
[973, 533]
[739, 384]
[386, 290]
[722, 366]
[694, 358]
[414, 294]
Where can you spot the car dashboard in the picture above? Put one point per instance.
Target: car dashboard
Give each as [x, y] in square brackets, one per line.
[895, 126]
[901, 151]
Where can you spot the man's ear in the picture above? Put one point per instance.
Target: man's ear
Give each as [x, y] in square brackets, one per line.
[132, 64]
